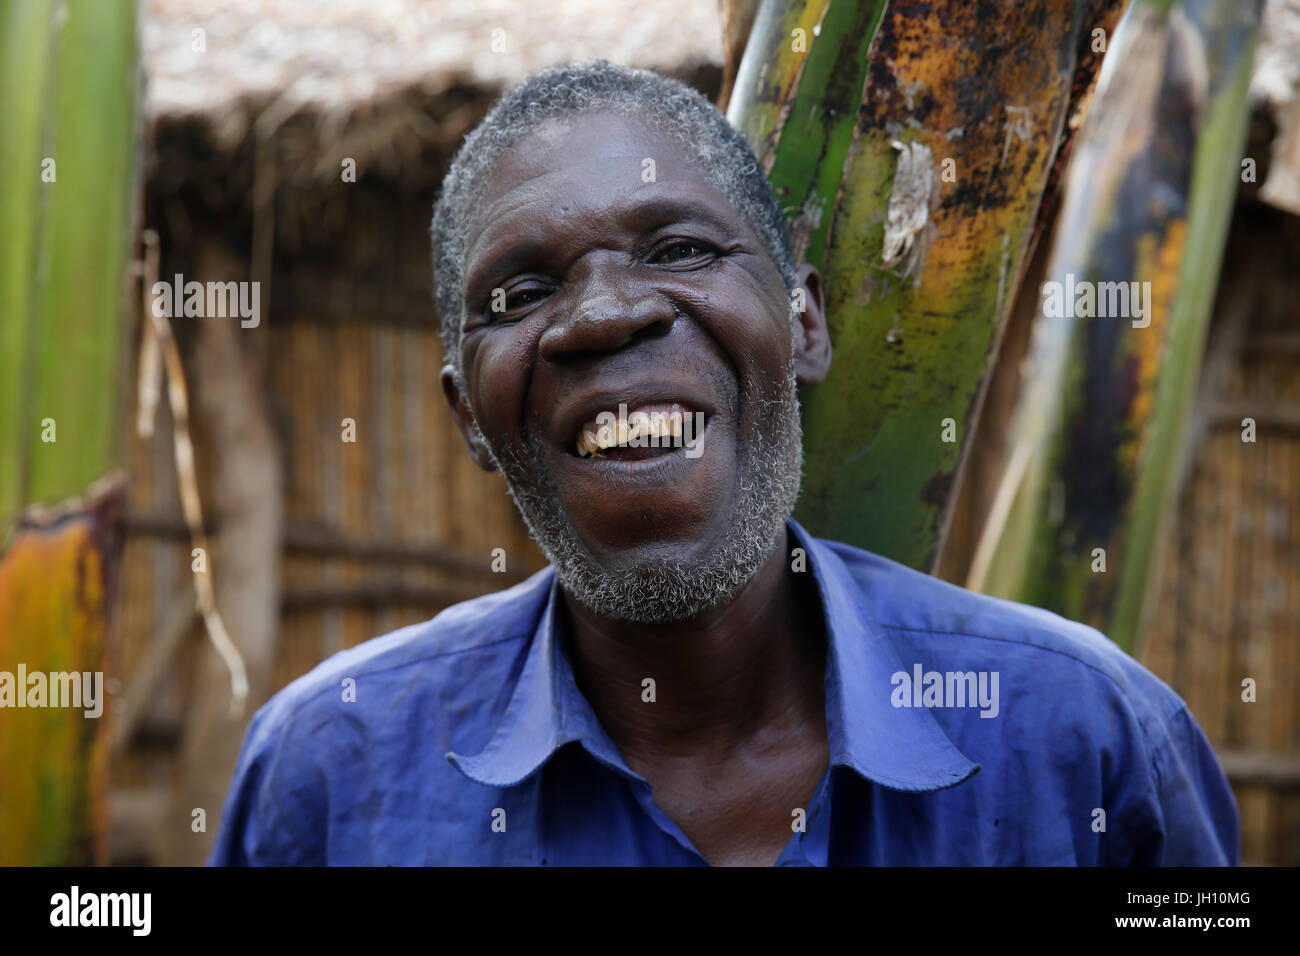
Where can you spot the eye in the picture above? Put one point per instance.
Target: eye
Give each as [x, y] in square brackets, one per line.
[525, 297]
[505, 305]
[682, 251]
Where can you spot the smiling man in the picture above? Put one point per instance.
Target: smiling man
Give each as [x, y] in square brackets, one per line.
[695, 679]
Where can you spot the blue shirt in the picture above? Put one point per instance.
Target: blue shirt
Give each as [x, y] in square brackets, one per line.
[962, 730]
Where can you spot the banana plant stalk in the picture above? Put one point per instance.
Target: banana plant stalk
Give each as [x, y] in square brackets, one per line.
[70, 80]
[911, 144]
[1116, 352]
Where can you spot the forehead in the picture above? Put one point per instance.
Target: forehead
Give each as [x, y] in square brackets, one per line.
[597, 135]
[574, 173]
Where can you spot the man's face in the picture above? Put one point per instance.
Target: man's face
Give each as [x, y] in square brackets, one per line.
[631, 283]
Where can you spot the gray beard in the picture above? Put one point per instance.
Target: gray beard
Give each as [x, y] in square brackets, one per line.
[660, 591]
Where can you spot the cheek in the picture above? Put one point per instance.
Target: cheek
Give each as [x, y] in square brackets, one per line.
[752, 323]
[497, 376]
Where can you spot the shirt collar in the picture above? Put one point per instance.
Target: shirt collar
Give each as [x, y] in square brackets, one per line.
[546, 711]
[899, 748]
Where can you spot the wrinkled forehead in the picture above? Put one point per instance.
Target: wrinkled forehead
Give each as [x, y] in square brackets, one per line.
[574, 171]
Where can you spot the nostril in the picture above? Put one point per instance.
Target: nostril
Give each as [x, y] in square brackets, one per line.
[654, 329]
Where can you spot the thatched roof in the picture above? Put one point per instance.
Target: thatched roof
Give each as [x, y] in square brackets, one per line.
[1277, 61]
[387, 63]
[391, 83]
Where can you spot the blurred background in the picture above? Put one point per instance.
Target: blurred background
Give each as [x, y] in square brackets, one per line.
[204, 508]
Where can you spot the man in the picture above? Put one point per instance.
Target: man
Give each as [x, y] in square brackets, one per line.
[695, 679]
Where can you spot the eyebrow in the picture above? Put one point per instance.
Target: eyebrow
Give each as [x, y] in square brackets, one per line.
[662, 210]
[648, 214]
[516, 256]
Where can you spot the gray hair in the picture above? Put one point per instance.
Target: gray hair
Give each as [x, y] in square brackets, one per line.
[668, 105]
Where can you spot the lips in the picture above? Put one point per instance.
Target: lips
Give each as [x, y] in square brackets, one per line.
[628, 495]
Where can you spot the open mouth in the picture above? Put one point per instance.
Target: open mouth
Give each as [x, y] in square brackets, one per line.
[646, 431]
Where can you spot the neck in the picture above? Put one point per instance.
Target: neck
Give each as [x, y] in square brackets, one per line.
[720, 679]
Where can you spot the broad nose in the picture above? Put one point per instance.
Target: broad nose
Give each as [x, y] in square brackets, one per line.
[610, 309]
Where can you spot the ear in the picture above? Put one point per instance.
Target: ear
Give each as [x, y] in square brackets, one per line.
[478, 448]
[812, 357]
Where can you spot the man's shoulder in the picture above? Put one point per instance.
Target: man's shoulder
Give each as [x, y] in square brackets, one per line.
[1086, 756]
[918, 610]
[467, 637]
[366, 733]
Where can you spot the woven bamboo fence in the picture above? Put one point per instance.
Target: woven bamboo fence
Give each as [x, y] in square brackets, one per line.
[1227, 595]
